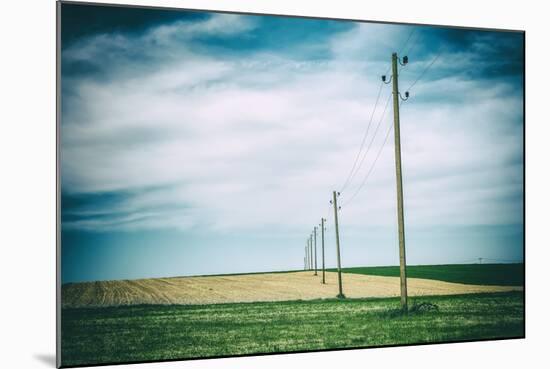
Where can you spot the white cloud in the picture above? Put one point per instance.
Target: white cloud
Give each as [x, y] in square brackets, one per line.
[264, 139]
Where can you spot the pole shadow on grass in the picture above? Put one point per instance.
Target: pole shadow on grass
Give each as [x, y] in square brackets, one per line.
[415, 309]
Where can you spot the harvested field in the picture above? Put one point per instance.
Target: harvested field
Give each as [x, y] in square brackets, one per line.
[253, 288]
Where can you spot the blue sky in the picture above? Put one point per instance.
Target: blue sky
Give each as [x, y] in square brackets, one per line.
[203, 143]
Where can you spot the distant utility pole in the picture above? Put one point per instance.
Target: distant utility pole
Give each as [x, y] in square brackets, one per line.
[323, 246]
[400, 217]
[311, 250]
[307, 256]
[315, 246]
[335, 204]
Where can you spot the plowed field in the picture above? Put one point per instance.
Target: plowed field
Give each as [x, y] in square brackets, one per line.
[253, 288]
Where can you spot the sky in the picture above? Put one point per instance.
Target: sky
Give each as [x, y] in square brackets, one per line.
[200, 143]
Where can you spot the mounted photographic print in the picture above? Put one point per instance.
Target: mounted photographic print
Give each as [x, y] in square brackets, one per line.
[245, 184]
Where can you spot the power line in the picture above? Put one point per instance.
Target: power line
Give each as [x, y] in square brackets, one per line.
[403, 47]
[479, 259]
[425, 70]
[371, 167]
[328, 214]
[412, 45]
[374, 163]
[388, 132]
[354, 169]
[407, 41]
[407, 52]
[373, 136]
[502, 260]
[351, 173]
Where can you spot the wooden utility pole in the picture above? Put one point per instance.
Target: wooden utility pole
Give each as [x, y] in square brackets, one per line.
[400, 217]
[311, 251]
[323, 247]
[335, 204]
[307, 256]
[315, 247]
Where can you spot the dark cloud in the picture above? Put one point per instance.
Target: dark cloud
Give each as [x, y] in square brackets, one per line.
[84, 20]
[104, 210]
[471, 54]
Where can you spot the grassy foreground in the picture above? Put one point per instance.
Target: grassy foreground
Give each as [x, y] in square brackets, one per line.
[154, 332]
[484, 274]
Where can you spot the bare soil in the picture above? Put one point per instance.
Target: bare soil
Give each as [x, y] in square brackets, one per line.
[252, 288]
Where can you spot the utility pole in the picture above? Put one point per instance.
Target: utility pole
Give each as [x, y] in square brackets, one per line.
[308, 251]
[311, 251]
[323, 246]
[315, 246]
[335, 204]
[400, 217]
[307, 256]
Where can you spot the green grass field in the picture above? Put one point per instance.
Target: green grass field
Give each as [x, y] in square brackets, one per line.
[153, 332]
[485, 274]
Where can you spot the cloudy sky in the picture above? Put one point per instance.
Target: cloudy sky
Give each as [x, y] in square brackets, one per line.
[204, 143]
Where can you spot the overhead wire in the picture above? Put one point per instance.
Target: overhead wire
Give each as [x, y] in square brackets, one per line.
[403, 47]
[480, 259]
[412, 45]
[407, 41]
[358, 168]
[367, 175]
[502, 260]
[425, 70]
[374, 135]
[354, 168]
[351, 173]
